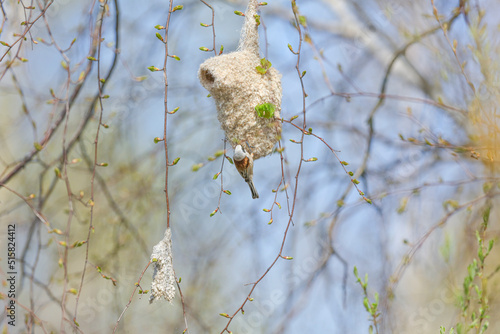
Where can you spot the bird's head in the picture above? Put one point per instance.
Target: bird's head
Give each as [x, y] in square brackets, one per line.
[239, 153]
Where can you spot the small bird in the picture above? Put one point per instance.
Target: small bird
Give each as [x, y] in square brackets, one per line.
[244, 164]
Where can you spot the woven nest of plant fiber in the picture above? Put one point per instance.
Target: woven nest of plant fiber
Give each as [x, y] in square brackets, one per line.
[238, 88]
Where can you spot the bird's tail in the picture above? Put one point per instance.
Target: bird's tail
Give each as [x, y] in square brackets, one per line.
[255, 194]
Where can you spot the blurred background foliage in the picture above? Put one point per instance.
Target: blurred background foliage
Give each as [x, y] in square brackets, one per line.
[406, 92]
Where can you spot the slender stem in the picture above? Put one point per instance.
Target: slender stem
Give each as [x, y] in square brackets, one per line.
[165, 76]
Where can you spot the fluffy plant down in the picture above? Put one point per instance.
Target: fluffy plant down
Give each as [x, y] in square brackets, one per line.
[163, 284]
[237, 88]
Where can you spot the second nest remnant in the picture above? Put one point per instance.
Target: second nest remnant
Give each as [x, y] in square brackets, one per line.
[239, 88]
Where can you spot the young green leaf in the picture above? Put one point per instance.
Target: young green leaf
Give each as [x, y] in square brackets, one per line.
[265, 110]
[153, 69]
[257, 19]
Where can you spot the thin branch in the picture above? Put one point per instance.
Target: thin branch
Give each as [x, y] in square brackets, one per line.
[137, 285]
[99, 95]
[165, 76]
[212, 25]
[407, 259]
[294, 201]
[20, 40]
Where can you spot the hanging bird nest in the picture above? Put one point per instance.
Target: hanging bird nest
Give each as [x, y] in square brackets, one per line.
[246, 90]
